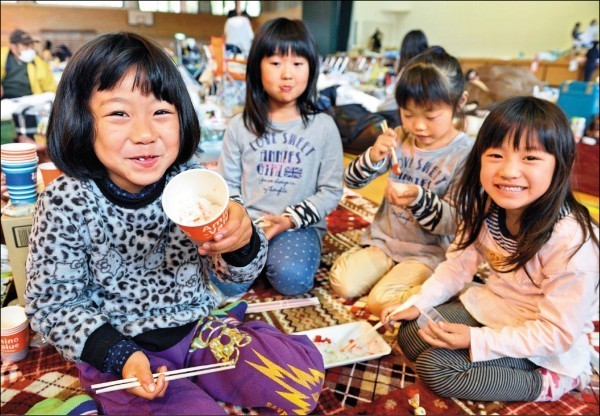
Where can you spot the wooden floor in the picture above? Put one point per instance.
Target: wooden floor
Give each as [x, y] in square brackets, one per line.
[374, 191]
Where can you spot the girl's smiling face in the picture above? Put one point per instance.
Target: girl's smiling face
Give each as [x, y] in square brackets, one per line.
[136, 135]
[516, 178]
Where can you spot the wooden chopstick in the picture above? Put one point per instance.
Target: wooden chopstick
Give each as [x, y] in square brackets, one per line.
[169, 375]
[395, 165]
[353, 343]
[403, 306]
[281, 304]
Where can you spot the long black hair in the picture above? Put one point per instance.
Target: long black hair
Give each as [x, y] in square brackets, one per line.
[531, 120]
[413, 43]
[100, 65]
[279, 37]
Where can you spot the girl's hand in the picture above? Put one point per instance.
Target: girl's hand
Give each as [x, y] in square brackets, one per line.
[407, 314]
[138, 366]
[276, 225]
[401, 197]
[235, 234]
[446, 335]
[384, 144]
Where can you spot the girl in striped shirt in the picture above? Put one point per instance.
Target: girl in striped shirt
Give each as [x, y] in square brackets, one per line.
[523, 334]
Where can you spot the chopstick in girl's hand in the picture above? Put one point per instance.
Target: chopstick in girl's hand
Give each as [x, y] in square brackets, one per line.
[395, 165]
[128, 383]
[353, 343]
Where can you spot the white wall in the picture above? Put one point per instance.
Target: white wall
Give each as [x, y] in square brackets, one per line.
[492, 29]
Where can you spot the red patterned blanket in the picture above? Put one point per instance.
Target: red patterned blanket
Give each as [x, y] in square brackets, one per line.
[382, 386]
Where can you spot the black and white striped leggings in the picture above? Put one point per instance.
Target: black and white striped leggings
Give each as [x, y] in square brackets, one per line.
[450, 373]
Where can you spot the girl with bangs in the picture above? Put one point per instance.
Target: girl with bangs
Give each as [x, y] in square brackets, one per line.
[116, 286]
[415, 222]
[523, 334]
[282, 157]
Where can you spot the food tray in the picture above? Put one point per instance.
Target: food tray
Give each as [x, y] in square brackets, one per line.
[340, 335]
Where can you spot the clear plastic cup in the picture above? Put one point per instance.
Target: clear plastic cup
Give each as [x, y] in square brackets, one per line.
[428, 314]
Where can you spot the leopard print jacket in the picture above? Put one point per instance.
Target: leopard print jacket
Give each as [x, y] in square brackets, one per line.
[92, 261]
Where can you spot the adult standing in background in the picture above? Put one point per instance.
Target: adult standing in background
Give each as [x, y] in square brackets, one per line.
[376, 41]
[22, 71]
[590, 34]
[238, 30]
[591, 61]
[576, 35]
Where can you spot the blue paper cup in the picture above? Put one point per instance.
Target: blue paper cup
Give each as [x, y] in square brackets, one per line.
[22, 196]
[20, 176]
[9, 164]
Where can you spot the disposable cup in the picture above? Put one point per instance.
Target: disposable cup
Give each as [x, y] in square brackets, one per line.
[20, 176]
[188, 190]
[428, 314]
[14, 329]
[49, 172]
[400, 187]
[578, 127]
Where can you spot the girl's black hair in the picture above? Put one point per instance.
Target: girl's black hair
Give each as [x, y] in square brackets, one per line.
[100, 65]
[531, 120]
[414, 43]
[279, 37]
[433, 76]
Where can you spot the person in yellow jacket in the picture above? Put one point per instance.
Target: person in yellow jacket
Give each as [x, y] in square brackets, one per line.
[22, 71]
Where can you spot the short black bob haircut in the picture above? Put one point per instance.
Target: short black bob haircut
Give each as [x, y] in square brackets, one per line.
[279, 36]
[100, 65]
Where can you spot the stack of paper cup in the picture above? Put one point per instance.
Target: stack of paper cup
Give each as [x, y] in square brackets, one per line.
[14, 333]
[19, 164]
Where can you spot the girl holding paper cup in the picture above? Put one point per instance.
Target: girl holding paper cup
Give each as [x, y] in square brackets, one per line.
[113, 283]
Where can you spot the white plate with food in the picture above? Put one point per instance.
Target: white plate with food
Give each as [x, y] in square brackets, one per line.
[331, 339]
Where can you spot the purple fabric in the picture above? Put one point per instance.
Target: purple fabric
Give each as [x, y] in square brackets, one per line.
[275, 372]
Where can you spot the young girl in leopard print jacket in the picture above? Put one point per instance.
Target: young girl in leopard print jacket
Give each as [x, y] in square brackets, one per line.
[116, 286]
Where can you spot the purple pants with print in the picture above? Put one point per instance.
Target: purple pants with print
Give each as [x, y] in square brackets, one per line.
[275, 373]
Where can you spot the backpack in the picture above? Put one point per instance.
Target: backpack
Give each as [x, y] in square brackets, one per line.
[359, 127]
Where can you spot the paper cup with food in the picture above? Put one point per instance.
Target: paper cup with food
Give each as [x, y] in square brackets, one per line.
[197, 200]
[15, 333]
[49, 172]
[400, 187]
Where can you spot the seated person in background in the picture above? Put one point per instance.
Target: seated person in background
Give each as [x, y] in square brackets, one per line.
[414, 226]
[413, 43]
[523, 335]
[22, 71]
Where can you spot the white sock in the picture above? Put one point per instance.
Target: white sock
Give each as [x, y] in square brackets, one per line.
[554, 385]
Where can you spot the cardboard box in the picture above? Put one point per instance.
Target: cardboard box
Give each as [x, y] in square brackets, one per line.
[16, 233]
